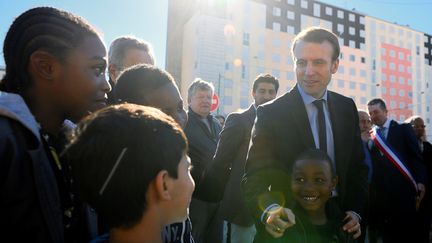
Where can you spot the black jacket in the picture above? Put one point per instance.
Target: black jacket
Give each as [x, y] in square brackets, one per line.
[30, 208]
[281, 132]
[202, 146]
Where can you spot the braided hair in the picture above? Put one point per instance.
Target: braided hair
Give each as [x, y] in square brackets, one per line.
[42, 28]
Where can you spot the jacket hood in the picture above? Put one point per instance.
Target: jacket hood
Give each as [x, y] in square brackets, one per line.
[13, 107]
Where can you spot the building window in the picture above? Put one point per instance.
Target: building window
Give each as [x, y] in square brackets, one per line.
[246, 39]
[363, 60]
[383, 90]
[351, 17]
[401, 93]
[304, 4]
[352, 85]
[289, 60]
[276, 11]
[363, 73]
[392, 53]
[363, 100]
[317, 10]
[340, 14]
[401, 56]
[401, 80]
[276, 58]
[329, 11]
[363, 87]
[227, 66]
[362, 20]
[341, 69]
[351, 30]
[392, 66]
[352, 58]
[410, 82]
[340, 29]
[417, 50]
[292, 2]
[276, 73]
[362, 33]
[290, 15]
[340, 83]
[352, 71]
[290, 30]
[392, 79]
[290, 75]
[276, 42]
[392, 104]
[352, 44]
[276, 26]
[392, 91]
[401, 68]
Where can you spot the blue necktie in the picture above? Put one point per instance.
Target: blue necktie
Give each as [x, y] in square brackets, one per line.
[381, 132]
[321, 125]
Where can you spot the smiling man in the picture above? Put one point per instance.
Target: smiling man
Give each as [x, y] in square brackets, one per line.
[308, 116]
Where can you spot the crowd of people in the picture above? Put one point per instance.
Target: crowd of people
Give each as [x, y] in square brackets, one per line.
[86, 159]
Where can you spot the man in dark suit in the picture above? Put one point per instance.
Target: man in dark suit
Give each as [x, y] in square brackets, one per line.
[425, 211]
[230, 158]
[393, 196]
[202, 131]
[309, 116]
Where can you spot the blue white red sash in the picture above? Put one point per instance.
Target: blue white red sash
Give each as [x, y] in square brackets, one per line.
[394, 159]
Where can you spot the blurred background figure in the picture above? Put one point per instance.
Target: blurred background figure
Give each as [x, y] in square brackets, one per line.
[425, 210]
[124, 52]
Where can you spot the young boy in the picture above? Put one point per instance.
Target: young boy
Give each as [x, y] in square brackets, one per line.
[130, 164]
[317, 216]
[150, 86]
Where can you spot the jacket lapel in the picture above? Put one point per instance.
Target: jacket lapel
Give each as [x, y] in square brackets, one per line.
[298, 113]
[337, 129]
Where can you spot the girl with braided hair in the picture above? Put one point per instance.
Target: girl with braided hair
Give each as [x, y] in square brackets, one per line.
[55, 65]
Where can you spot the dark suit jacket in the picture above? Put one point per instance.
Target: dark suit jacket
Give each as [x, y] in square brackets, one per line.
[202, 146]
[281, 132]
[228, 165]
[390, 191]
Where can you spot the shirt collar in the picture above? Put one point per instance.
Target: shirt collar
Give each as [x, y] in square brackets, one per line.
[307, 99]
[386, 123]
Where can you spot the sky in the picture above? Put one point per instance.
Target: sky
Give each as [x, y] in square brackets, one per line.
[147, 19]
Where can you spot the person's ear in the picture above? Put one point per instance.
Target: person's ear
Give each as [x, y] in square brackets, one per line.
[334, 66]
[112, 71]
[334, 182]
[44, 65]
[163, 183]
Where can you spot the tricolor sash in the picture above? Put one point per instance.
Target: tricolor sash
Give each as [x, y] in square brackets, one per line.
[394, 159]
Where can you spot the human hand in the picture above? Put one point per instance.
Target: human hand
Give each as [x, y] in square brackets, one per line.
[352, 225]
[278, 220]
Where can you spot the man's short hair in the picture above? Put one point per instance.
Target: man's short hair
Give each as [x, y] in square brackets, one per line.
[318, 35]
[265, 78]
[117, 152]
[199, 84]
[378, 101]
[122, 44]
[316, 155]
[136, 82]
